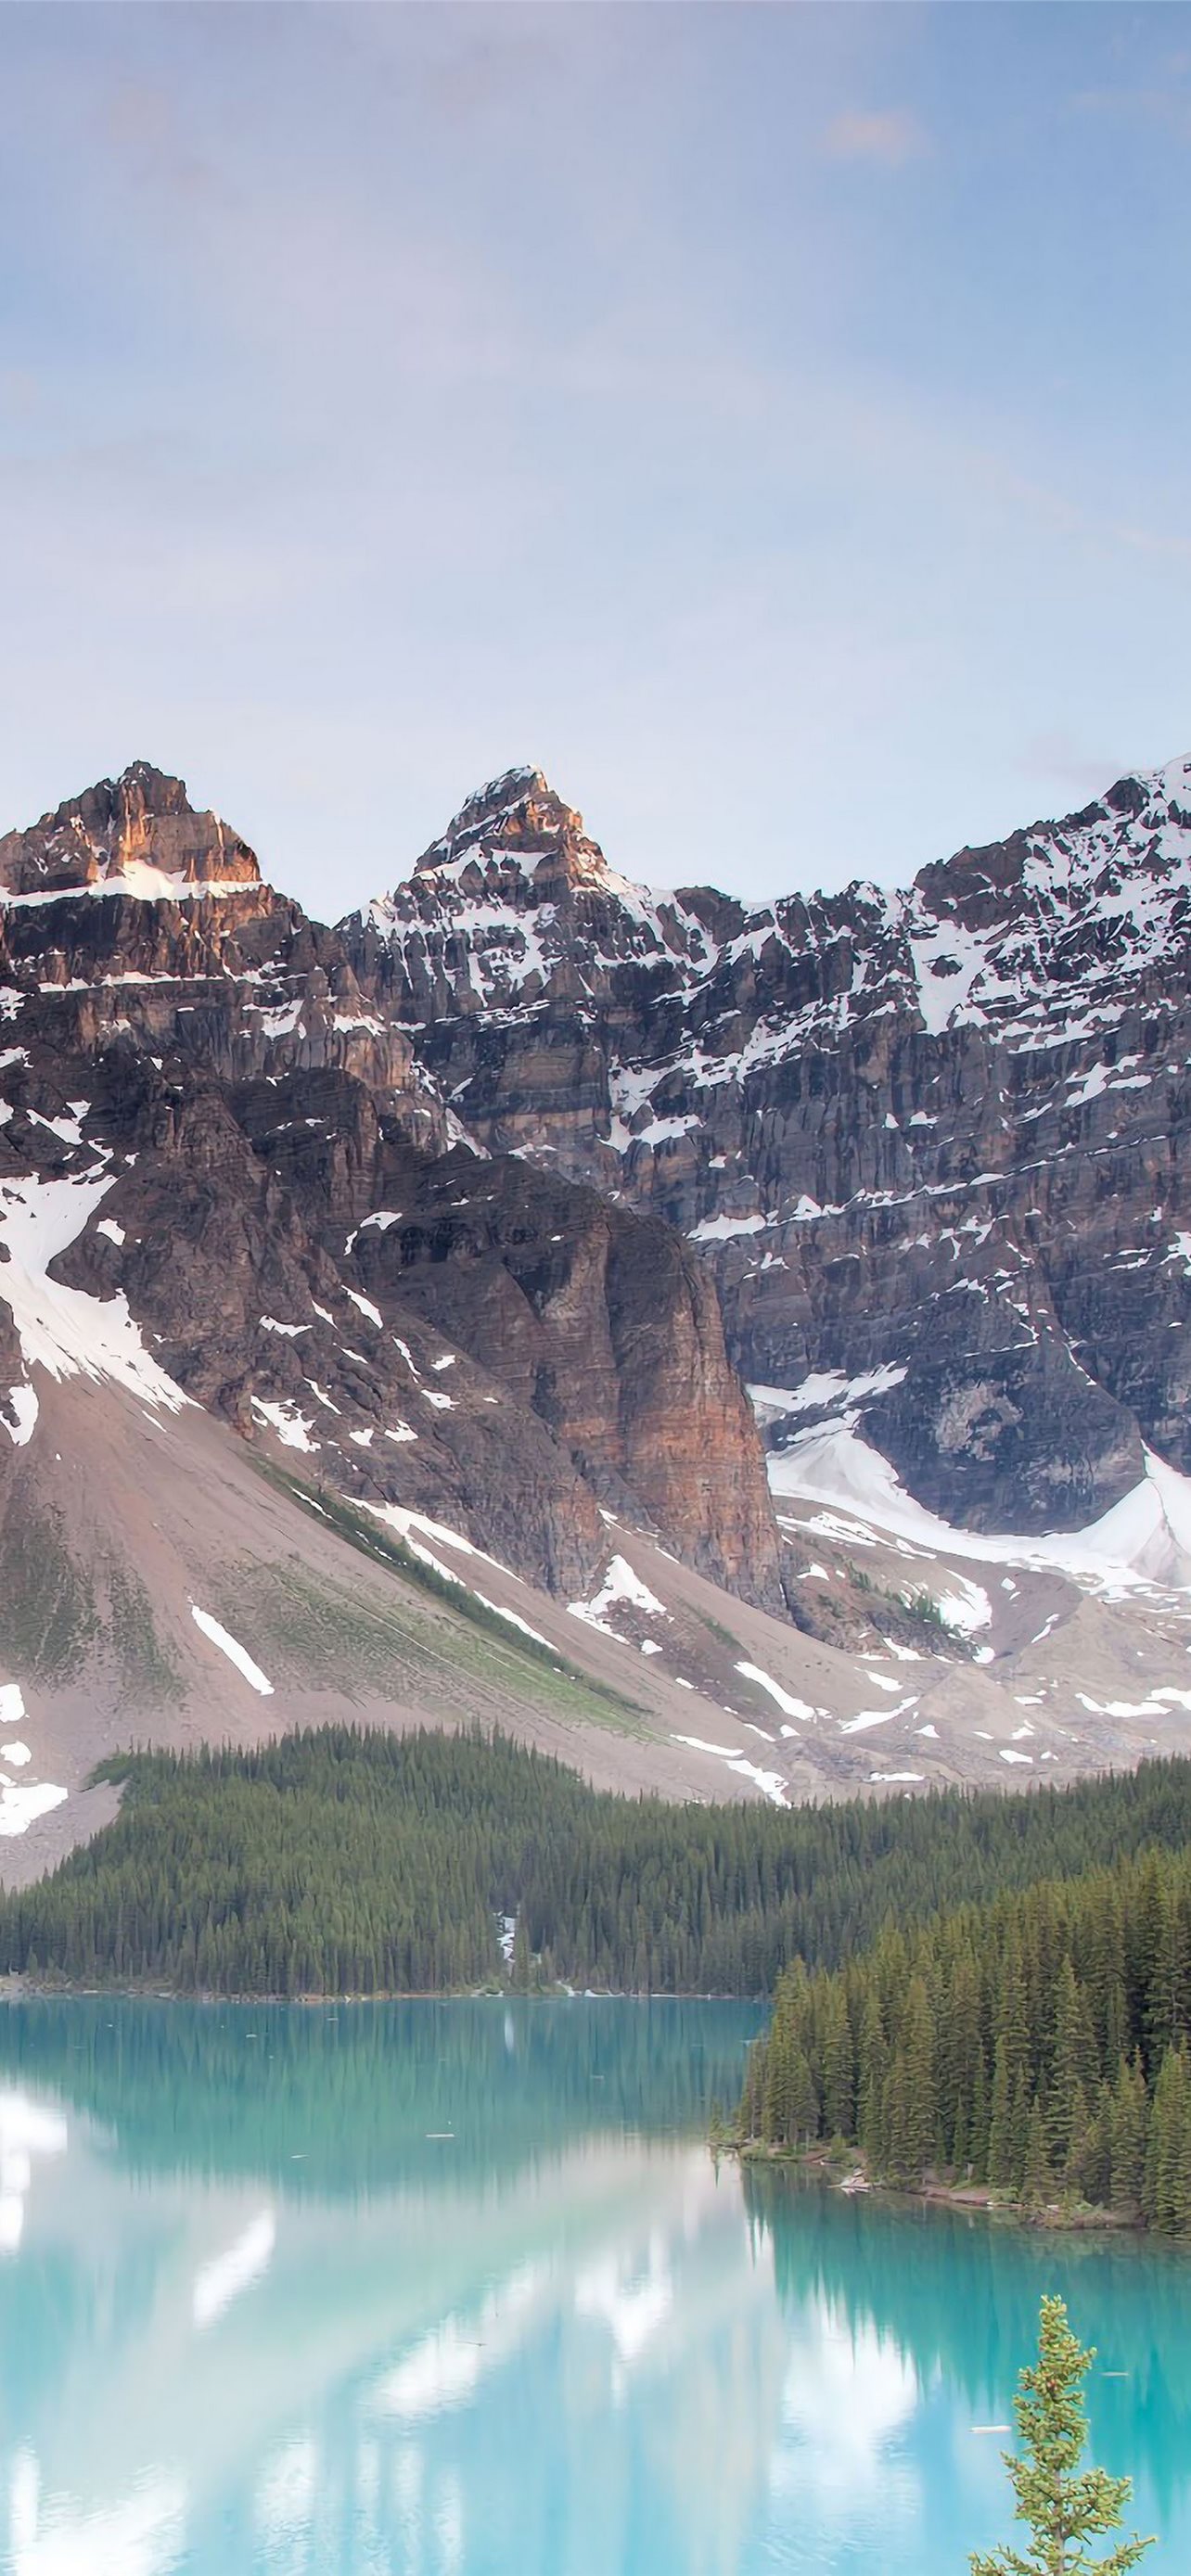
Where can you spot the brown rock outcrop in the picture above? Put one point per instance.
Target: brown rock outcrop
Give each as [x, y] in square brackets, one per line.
[140, 820]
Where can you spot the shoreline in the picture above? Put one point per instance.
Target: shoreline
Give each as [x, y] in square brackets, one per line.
[15, 1987]
[848, 2177]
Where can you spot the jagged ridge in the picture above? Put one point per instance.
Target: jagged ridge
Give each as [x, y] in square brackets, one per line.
[209, 1071]
[928, 1138]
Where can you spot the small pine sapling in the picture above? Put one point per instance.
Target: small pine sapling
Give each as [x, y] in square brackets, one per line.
[1065, 2507]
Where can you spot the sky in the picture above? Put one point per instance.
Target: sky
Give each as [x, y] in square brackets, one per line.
[771, 421]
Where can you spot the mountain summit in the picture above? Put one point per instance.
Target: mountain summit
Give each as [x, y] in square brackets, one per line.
[519, 818]
[136, 834]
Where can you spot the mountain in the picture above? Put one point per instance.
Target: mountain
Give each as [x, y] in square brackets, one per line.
[229, 1197]
[189, 1048]
[374, 1305]
[931, 1145]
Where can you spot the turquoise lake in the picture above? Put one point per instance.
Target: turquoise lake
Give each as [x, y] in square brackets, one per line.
[457, 2290]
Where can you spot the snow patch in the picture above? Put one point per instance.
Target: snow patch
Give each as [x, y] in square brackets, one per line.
[292, 1428]
[620, 1584]
[822, 1388]
[60, 1329]
[20, 1806]
[770, 1783]
[235, 1652]
[23, 1406]
[723, 1229]
[789, 1706]
[1144, 1539]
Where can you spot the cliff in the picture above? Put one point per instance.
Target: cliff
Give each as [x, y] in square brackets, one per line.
[931, 1145]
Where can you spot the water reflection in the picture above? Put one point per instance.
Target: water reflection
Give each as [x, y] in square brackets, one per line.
[27, 2129]
[458, 2291]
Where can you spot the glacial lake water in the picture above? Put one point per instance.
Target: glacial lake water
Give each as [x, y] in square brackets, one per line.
[457, 2290]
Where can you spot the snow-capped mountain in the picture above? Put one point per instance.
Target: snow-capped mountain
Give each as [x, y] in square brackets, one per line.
[929, 1142]
[205, 1130]
[458, 1215]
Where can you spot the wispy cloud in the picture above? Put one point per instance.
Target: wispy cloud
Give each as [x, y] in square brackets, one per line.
[885, 137]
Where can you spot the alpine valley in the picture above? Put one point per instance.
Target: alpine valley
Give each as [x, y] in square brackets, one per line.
[741, 1351]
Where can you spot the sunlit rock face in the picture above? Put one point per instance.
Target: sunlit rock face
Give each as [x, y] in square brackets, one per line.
[138, 822]
[931, 1139]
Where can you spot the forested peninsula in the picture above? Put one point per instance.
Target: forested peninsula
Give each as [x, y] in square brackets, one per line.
[1034, 2047]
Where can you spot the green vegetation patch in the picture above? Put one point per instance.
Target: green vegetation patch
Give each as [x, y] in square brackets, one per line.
[337, 1640]
[920, 1606]
[48, 1618]
[150, 1674]
[334, 1634]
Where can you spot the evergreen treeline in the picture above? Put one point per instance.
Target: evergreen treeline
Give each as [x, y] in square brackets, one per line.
[1039, 2045]
[335, 1862]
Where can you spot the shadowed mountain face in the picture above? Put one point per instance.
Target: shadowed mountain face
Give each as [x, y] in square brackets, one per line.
[222, 1170]
[933, 1141]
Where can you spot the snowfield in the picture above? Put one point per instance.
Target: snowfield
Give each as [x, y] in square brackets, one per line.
[61, 1329]
[1144, 1540]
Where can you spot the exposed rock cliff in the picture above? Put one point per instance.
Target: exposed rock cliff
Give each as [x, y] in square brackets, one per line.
[126, 831]
[205, 1137]
[435, 1212]
[930, 1141]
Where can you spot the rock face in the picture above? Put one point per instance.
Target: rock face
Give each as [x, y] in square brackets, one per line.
[118, 830]
[606, 1326]
[226, 1178]
[213, 967]
[932, 1146]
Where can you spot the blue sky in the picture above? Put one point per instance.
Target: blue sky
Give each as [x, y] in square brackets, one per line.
[773, 421]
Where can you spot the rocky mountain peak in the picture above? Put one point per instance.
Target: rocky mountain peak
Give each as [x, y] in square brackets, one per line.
[137, 834]
[515, 903]
[1103, 890]
[931, 1143]
[519, 818]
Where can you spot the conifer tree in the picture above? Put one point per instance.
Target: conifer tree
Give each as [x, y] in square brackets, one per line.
[874, 2071]
[1161, 2193]
[1127, 2136]
[1036, 2179]
[837, 2068]
[1064, 2507]
[1073, 2065]
[1000, 2133]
